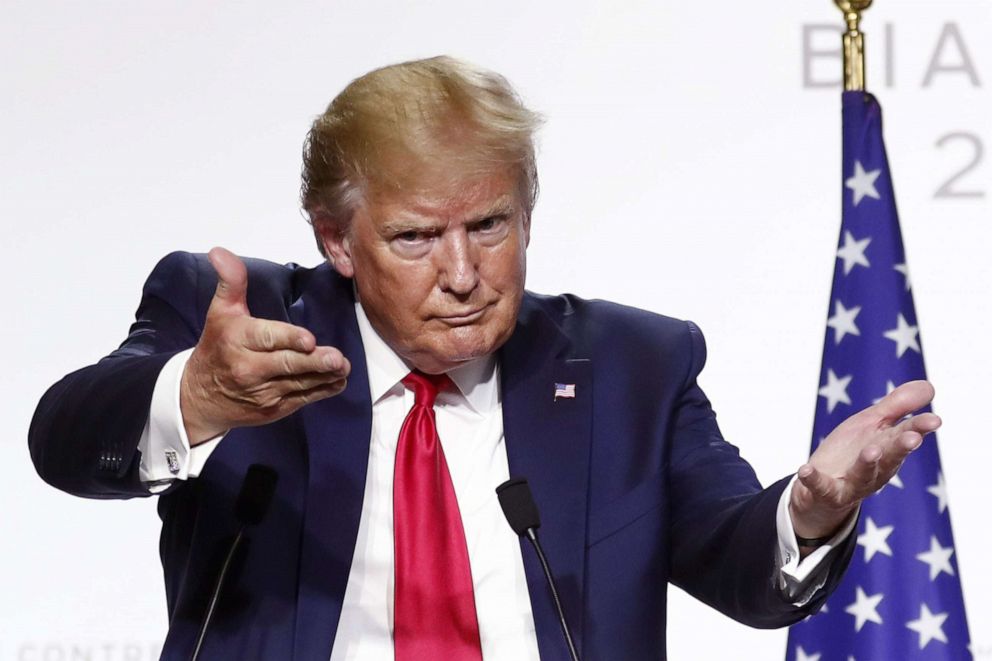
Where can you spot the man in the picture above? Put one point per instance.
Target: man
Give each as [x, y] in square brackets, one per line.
[419, 181]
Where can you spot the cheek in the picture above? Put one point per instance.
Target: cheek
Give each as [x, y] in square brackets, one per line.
[506, 270]
[400, 287]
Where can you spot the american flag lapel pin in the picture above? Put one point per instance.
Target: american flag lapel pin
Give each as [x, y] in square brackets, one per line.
[564, 391]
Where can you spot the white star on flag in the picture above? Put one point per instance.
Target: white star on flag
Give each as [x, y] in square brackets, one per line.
[928, 626]
[853, 252]
[835, 390]
[863, 183]
[904, 269]
[843, 321]
[874, 539]
[801, 655]
[904, 336]
[940, 491]
[864, 609]
[938, 558]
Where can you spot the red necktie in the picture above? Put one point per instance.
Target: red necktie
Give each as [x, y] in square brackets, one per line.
[434, 612]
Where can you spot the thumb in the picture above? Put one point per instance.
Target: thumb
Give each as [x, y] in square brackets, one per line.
[813, 480]
[232, 282]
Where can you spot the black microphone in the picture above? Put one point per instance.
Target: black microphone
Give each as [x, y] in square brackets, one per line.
[253, 502]
[521, 513]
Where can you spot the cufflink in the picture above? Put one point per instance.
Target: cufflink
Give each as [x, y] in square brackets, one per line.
[172, 459]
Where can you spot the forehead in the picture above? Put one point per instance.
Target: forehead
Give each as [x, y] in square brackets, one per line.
[449, 199]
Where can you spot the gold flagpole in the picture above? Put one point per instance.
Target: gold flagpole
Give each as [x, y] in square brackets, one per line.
[854, 44]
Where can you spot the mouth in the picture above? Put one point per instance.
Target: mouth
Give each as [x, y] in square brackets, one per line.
[463, 318]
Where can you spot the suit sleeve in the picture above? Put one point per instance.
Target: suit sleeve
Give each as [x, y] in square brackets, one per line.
[85, 431]
[724, 533]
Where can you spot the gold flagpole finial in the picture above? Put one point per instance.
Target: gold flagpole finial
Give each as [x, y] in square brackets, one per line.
[854, 44]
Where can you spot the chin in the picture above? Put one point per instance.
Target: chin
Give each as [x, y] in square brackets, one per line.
[449, 355]
[474, 344]
[455, 357]
[442, 349]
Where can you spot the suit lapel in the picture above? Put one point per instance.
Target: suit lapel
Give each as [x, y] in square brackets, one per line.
[548, 443]
[338, 431]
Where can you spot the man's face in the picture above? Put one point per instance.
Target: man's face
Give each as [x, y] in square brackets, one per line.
[441, 274]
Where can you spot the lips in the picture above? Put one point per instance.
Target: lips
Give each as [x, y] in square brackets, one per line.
[463, 318]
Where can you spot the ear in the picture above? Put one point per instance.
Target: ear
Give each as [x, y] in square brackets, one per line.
[527, 231]
[337, 245]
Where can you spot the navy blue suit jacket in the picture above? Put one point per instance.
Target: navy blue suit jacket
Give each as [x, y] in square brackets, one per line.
[635, 484]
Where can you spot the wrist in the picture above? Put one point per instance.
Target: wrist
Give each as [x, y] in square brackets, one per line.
[814, 526]
[198, 428]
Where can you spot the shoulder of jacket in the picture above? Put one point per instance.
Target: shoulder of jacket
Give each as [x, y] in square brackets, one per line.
[572, 312]
[604, 328]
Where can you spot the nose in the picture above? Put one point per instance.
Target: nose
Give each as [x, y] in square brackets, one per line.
[458, 268]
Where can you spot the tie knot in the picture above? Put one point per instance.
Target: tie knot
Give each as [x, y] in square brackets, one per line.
[425, 387]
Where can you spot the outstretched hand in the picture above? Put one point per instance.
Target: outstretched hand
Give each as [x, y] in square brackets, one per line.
[246, 371]
[858, 458]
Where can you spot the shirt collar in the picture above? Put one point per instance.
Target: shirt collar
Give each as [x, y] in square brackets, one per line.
[477, 380]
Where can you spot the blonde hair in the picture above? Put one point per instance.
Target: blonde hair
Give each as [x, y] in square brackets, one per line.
[404, 127]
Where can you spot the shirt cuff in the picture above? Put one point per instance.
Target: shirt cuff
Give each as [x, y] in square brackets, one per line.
[166, 455]
[800, 578]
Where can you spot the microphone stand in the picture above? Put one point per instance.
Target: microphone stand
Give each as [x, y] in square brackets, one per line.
[531, 534]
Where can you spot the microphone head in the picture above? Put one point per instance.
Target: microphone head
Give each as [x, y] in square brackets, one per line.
[256, 494]
[518, 505]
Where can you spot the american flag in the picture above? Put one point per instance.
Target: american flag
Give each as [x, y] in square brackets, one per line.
[901, 598]
[566, 390]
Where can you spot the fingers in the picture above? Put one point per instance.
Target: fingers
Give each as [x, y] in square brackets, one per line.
[921, 424]
[299, 399]
[844, 490]
[232, 282]
[246, 371]
[908, 437]
[281, 372]
[265, 379]
[909, 397]
[864, 473]
[288, 363]
[275, 398]
[268, 335]
[861, 455]
[299, 383]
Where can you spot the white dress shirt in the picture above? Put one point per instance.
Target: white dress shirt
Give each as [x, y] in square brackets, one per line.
[470, 426]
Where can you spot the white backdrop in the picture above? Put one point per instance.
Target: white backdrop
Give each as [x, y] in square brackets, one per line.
[690, 165]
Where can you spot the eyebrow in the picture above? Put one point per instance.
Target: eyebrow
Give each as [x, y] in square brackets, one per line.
[501, 208]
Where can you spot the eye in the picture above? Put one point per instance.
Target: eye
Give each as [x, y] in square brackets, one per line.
[490, 224]
[409, 236]
[412, 243]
